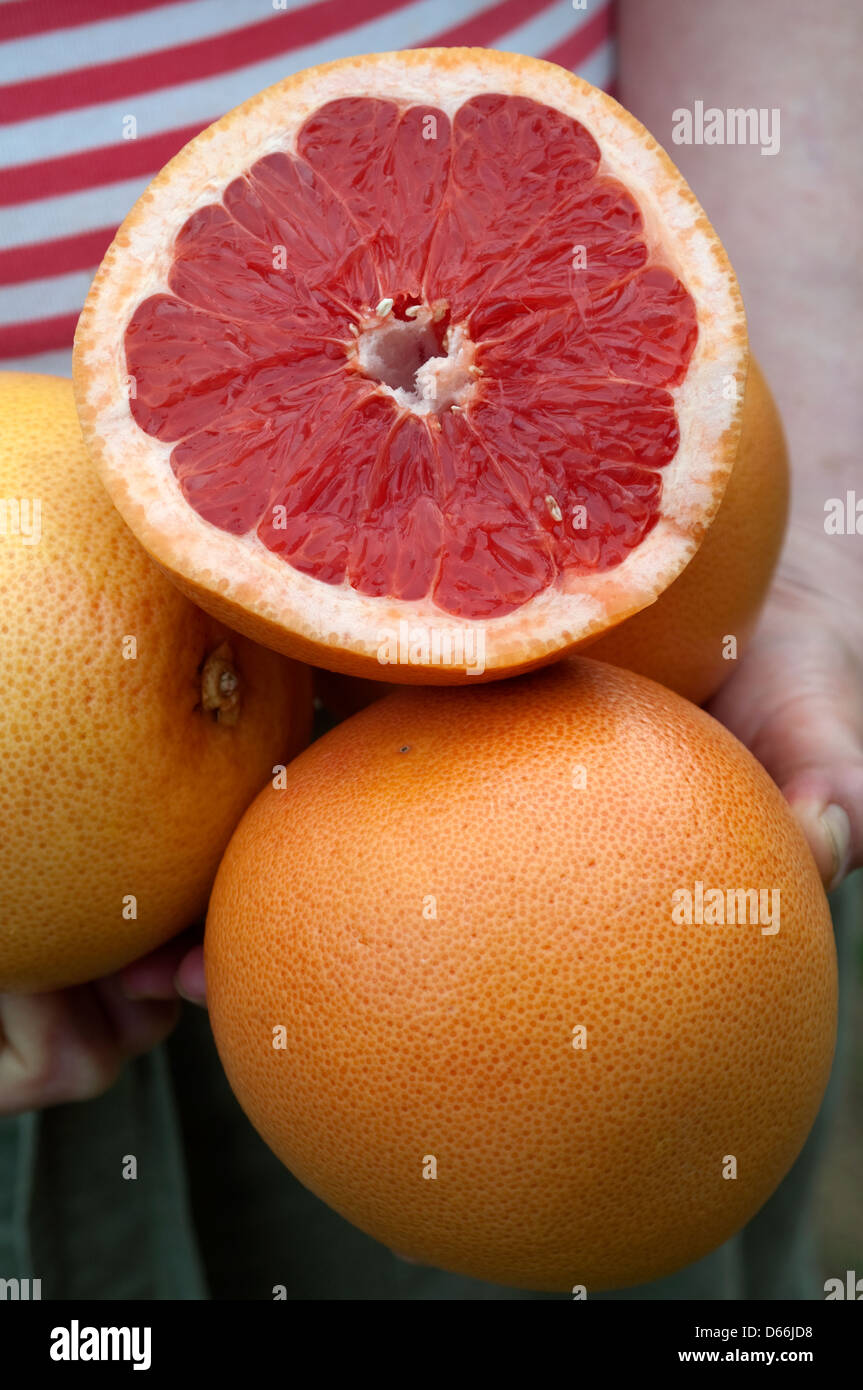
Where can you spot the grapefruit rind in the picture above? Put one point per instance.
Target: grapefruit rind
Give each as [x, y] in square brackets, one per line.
[236, 577]
[553, 908]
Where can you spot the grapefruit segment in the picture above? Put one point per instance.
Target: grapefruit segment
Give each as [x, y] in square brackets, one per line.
[281, 202]
[548, 267]
[367, 151]
[438, 336]
[512, 160]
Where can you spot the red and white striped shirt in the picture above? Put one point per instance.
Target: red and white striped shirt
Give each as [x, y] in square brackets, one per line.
[97, 95]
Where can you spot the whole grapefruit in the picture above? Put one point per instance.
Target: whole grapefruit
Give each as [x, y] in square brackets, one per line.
[452, 982]
[135, 729]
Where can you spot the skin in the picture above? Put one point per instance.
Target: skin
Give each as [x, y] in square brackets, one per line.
[789, 223]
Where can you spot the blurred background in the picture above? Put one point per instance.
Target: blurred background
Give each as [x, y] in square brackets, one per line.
[839, 1204]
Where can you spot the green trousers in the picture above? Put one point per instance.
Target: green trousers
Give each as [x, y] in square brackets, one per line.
[213, 1214]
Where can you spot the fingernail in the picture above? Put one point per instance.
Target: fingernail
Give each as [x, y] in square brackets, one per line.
[828, 831]
[189, 998]
[837, 828]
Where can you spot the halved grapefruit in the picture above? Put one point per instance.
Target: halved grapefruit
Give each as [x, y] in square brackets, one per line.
[426, 365]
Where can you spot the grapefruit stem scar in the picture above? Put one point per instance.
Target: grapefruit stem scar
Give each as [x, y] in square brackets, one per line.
[117, 801]
[220, 685]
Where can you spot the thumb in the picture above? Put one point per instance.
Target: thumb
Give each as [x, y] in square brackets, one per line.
[814, 752]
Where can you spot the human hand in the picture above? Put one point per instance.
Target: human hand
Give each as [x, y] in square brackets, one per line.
[71, 1044]
[797, 702]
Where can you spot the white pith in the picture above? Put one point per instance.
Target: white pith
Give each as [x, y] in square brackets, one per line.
[136, 467]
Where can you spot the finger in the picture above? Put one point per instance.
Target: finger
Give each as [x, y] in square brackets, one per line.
[137, 1024]
[813, 752]
[56, 1047]
[801, 714]
[190, 981]
[827, 828]
[152, 977]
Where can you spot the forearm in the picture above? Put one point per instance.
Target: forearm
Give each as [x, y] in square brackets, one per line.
[789, 221]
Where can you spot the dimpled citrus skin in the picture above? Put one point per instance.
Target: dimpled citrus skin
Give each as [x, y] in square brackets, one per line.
[113, 781]
[410, 1035]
